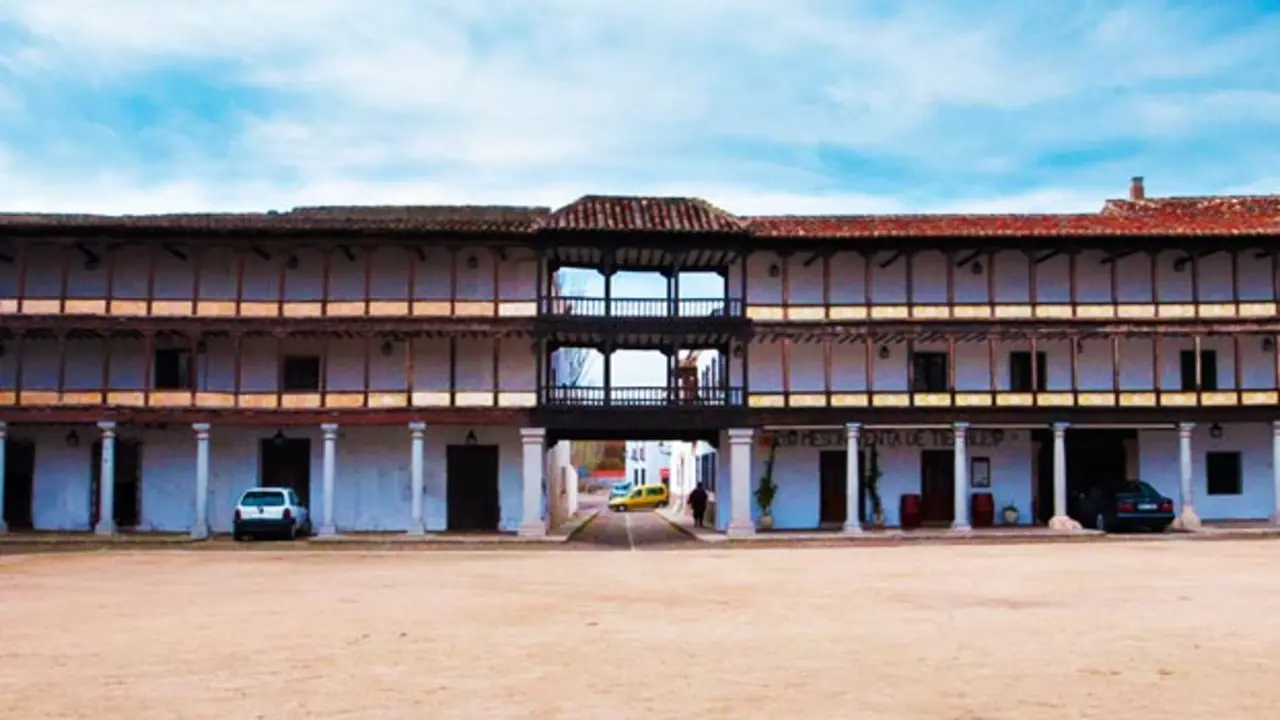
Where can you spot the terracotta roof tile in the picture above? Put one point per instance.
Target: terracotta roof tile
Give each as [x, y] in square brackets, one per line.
[442, 218]
[656, 214]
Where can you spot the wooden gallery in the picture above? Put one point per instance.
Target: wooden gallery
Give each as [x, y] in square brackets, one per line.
[403, 368]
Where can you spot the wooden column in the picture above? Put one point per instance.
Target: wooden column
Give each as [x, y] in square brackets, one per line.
[1115, 284]
[368, 360]
[237, 351]
[453, 371]
[992, 366]
[66, 272]
[282, 282]
[240, 254]
[151, 278]
[951, 363]
[1075, 366]
[62, 363]
[826, 289]
[786, 372]
[1195, 281]
[991, 283]
[368, 279]
[1155, 281]
[408, 368]
[1035, 366]
[1195, 344]
[951, 283]
[1072, 286]
[106, 366]
[411, 280]
[19, 370]
[910, 283]
[1235, 281]
[496, 256]
[148, 363]
[869, 367]
[23, 259]
[785, 261]
[868, 281]
[1031, 282]
[497, 372]
[911, 366]
[1239, 366]
[453, 286]
[197, 267]
[1157, 361]
[1115, 363]
[326, 261]
[826, 369]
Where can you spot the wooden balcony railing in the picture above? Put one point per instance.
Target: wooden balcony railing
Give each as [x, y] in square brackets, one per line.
[1007, 399]
[765, 312]
[167, 308]
[641, 307]
[264, 401]
[641, 397]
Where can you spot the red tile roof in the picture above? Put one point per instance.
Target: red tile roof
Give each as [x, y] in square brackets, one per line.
[407, 219]
[656, 214]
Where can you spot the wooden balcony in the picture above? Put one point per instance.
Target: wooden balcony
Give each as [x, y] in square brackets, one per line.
[641, 397]
[267, 401]
[259, 309]
[590, 307]
[1138, 311]
[1092, 399]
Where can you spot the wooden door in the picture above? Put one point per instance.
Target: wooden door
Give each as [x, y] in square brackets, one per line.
[833, 493]
[471, 491]
[19, 479]
[286, 462]
[937, 486]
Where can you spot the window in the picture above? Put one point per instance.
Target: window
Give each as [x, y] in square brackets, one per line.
[1223, 471]
[653, 491]
[173, 370]
[1208, 370]
[300, 373]
[1020, 372]
[262, 498]
[637, 493]
[929, 372]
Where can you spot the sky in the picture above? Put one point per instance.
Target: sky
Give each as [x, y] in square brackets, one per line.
[760, 106]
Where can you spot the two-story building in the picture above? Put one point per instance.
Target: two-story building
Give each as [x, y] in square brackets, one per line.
[396, 365]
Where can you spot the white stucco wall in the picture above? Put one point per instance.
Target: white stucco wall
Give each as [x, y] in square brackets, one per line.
[372, 487]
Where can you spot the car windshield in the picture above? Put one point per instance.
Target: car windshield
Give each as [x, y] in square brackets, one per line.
[1138, 487]
[262, 499]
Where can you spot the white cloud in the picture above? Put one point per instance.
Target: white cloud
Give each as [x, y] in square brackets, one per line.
[760, 106]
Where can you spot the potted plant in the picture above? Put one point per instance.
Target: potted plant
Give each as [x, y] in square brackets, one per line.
[873, 492]
[766, 491]
[1010, 513]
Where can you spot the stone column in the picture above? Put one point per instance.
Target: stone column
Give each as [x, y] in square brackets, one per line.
[330, 431]
[107, 480]
[1187, 518]
[417, 436]
[961, 521]
[852, 523]
[1060, 520]
[531, 522]
[200, 528]
[740, 523]
[4, 434]
[1275, 470]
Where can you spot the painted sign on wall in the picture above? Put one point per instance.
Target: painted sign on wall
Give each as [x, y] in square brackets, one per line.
[885, 438]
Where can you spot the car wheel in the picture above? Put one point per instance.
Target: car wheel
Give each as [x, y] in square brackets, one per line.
[1100, 522]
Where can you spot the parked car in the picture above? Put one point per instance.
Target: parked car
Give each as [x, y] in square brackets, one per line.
[1124, 505]
[270, 511]
[619, 490]
[644, 497]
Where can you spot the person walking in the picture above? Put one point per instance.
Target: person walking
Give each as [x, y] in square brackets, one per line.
[698, 503]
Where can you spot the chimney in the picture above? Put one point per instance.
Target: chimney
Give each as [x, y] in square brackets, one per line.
[1136, 189]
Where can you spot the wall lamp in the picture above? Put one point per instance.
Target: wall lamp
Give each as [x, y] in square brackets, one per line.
[73, 439]
[774, 270]
[387, 348]
[471, 437]
[278, 439]
[1215, 431]
[1268, 344]
[473, 262]
[884, 352]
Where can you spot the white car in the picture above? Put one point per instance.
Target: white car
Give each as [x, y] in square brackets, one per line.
[270, 510]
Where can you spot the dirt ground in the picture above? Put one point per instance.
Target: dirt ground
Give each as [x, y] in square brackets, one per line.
[1142, 630]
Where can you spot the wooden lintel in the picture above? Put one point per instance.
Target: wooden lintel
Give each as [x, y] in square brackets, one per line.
[174, 251]
[90, 257]
[968, 258]
[346, 251]
[260, 252]
[422, 255]
[1113, 257]
[1047, 256]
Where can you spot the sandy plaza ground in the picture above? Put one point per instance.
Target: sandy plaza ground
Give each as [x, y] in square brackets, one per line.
[1134, 630]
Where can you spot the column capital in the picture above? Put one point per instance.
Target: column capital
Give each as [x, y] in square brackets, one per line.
[1185, 428]
[201, 428]
[741, 435]
[532, 435]
[1275, 428]
[853, 428]
[107, 425]
[417, 426]
[4, 429]
[1060, 427]
[330, 430]
[961, 427]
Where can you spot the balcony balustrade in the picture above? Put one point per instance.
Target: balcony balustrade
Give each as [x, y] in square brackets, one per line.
[641, 307]
[641, 397]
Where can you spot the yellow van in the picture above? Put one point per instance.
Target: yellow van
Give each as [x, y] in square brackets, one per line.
[644, 497]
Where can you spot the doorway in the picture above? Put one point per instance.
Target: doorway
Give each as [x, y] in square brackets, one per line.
[19, 484]
[471, 492]
[937, 487]
[1094, 456]
[286, 462]
[833, 493]
[127, 483]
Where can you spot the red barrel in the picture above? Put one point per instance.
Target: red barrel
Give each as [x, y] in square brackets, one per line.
[984, 510]
[909, 511]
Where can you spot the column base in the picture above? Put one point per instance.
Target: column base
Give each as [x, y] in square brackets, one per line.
[105, 527]
[852, 529]
[961, 527]
[326, 531]
[416, 531]
[200, 532]
[740, 529]
[1187, 520]
[1275, 520]
[532, 530]
[4, 529]
[1062, 523]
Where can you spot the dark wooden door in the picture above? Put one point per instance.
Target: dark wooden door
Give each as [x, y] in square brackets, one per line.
[127, 499]
[19, 479]
[471, 491]
[833, 493]
[937, 486]
[286, 462]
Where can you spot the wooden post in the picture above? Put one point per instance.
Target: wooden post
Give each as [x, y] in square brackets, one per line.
[1072, 285]
[368, 359]
[786, 371]
[453, 370]
[62, 363]
[785, 259]
[826, 369]
[1031, 282]
[281, 283]
[408, 368]
[1115, 286]
[1035, 367]
[19, 373]
[496, 255]
[910, 278]
[197, 267]
[951, 283]
[951, 363]
[22, 260]
[411, 279]
[106, 366]
[911, 365]
[240, 254]
[868, 281]
[497, 364]
[66, 272]
[1155, 281]
[991, 282]
[1075, 367]
[1195, 281]
[1158, 361]
[1195, 344]
[326, 258]
[1115, 363]
[194, 369]
[151, 279]
[1235, 281]
[453, 286]
[869, 368]
[1239, 366]
[826, 293]
[991, 365]
[368, 253]
[237, 342]
[148, 363]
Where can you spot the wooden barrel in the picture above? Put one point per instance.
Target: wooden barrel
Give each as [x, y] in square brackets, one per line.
[909, 511]
[984, 510]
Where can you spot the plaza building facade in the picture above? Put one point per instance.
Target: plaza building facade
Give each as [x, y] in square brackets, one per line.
[402, 368]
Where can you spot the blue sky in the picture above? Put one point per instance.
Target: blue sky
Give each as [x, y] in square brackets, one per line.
[760, 106]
